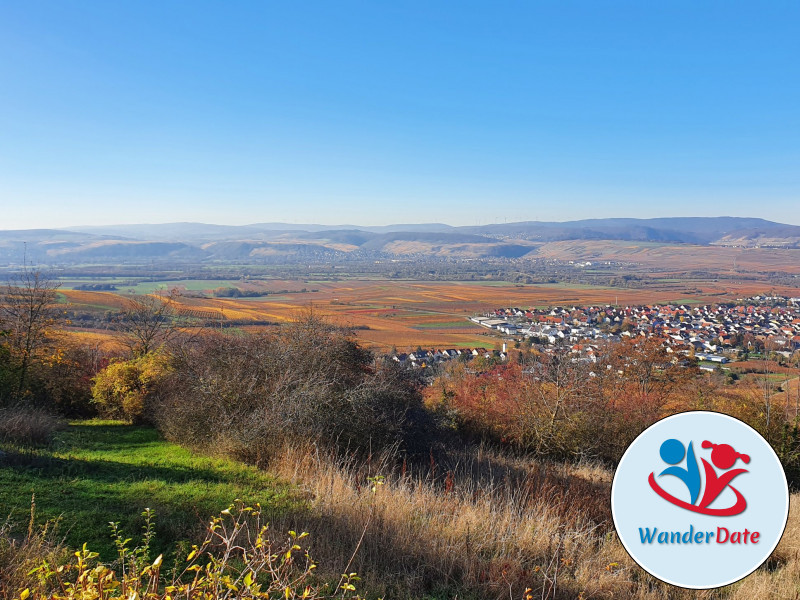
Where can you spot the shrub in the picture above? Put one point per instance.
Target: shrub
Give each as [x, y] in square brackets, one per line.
[121, 390]
[66, 379]
[28, 426]
[245, 395]
[7, 369]
[60, 379]
[559, 406]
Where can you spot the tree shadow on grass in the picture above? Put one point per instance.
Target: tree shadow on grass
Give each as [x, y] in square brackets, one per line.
[86, 493]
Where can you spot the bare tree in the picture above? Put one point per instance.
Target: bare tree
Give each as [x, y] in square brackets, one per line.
[558, 387]
[149, 322]
[27, 314]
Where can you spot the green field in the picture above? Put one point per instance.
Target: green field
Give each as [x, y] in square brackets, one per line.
[193, 285]
[97, 472]
[443, 325]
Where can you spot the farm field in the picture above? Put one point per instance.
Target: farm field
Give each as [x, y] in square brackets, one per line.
[407, 314]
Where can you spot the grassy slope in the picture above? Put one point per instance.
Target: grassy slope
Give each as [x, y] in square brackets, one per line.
[98, 472]
[411, 535]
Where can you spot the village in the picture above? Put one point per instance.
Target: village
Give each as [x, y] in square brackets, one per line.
[712, 334]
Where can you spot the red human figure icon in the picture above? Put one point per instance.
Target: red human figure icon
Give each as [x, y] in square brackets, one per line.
[724, 457]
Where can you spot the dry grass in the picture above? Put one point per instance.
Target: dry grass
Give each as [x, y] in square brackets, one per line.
[19, 556]
[779, 579]
[482, 534]
[26, 426]
[490, 527]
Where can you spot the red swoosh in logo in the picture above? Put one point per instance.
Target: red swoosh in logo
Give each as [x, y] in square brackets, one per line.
[737, 508]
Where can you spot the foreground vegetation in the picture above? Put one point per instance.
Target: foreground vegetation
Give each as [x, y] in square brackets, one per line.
[491, 482]
[491, 527]
[96, 472]
[237, 558]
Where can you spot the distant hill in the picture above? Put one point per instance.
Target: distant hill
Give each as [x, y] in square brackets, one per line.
[770, 237]
[276, 242]
[690, 230]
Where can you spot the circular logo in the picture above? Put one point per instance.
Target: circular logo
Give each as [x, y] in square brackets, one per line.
[699, 500]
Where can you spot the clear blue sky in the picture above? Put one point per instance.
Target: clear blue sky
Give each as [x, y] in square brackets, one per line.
[382, 112]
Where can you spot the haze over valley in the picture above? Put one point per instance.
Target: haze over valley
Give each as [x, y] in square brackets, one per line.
[278, 242]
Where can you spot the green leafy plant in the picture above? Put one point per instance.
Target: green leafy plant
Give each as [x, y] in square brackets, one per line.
[237, 559]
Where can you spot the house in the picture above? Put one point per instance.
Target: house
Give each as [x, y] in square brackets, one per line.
[717, 358]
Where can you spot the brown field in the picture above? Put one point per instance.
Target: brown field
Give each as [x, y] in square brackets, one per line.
[88, 300]
[788, 398]
[758, 367]
[407, 314]
[102, 340]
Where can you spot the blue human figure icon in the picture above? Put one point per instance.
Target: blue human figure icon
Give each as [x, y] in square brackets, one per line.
[672, 452]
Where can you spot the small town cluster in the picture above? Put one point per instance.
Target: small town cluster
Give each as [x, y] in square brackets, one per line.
[711, 333]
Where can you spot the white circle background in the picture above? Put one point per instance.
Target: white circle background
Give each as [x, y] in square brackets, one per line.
[635, 505]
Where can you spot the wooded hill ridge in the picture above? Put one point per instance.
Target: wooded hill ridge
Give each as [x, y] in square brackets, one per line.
[275, 242]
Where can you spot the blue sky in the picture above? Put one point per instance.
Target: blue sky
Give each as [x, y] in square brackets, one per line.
[379, 112]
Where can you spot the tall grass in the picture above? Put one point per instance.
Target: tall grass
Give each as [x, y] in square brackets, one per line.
[20, 555]
[28, 426]
[491, 527]
[779, 578]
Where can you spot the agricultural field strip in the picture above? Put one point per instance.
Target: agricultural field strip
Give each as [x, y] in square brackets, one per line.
[355, 303]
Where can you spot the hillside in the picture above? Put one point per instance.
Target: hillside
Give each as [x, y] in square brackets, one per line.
[280, 242]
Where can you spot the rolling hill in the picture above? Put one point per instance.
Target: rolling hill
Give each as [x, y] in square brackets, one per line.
[277, 242]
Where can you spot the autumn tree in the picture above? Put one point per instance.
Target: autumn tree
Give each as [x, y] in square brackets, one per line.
[27, 317]
[564, 404]
[541, 404]
[149, 322]
[562, 379]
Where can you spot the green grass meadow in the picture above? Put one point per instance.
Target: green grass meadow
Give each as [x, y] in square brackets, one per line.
[98, 471]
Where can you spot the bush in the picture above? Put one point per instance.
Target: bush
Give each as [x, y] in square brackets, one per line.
[28, 426]
[121, 390]
[66, 380]
[7, 371]
[62, 380]
[245, 395]
[559, 406]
